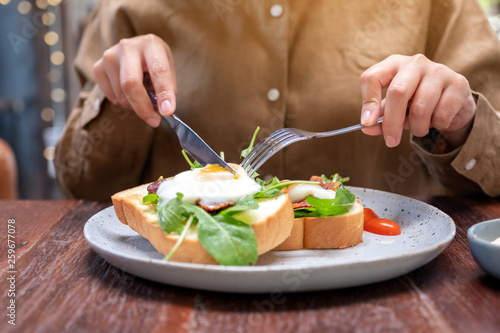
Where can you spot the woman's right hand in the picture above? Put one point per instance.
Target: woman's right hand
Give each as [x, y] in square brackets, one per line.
[119, 74]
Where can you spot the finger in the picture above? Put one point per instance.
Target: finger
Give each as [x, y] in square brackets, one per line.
[162, 76]
[112, 70]
[131, 81]
[174, 77]
[466, 109]
[376, 129]
[372, 81]
[422, 106]
[446, 110]
[102, 81]
[399, 93]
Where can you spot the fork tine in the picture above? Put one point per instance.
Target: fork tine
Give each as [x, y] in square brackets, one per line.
[268, 153]
[265, 144]
[261, 145]
[285, 137]
[268, 149]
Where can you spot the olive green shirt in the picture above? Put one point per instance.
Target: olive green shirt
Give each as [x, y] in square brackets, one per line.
[242, 64]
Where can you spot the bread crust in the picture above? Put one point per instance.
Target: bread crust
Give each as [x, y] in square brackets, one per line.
[296, 239]
[334, 232]
[270, 231]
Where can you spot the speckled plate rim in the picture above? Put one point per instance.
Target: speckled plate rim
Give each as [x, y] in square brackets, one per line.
[407, 262]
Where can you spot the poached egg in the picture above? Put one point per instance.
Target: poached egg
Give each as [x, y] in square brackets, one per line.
[211, 183]
[300, 192]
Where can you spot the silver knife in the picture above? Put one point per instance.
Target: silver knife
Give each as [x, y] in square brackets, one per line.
[189, 140]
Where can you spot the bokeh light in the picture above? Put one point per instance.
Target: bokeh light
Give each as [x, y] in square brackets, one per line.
[48, 18]
[57, 95]
[24, 7]
[51, 38]
[47, 114]
[42, 4]
[54, 2]
[57, 58]
[49, 153]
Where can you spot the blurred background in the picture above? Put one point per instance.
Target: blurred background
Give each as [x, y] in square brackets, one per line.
[38, 86]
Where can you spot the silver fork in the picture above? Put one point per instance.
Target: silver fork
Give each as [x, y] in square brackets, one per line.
[285, 137]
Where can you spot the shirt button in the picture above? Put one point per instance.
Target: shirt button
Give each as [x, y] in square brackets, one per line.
[273, 95]
[97, 104]
[471, 164]
[276, 10]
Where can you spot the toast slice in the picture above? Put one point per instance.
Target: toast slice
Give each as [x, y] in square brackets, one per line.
[334, 232]
[272, 223]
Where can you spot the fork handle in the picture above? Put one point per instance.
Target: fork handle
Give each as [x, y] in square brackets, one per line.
[346, 129]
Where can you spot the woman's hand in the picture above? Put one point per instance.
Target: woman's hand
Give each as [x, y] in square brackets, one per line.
[421, 94]
[119, 73]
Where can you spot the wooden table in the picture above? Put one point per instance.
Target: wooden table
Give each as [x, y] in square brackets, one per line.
[61, 285]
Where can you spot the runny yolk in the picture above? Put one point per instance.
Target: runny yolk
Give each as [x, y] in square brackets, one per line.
[215, 168]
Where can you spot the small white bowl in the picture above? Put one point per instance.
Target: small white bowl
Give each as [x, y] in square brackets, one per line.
[487, 254]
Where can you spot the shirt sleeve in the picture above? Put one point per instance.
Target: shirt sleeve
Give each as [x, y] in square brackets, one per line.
[104, 148]
[473, 168]
[463, 40]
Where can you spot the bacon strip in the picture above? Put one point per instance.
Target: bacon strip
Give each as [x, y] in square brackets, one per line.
[300, 204]
[326, 185]
[153, 187]
[212, 206]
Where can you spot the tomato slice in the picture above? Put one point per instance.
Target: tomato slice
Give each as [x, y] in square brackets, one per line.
[382, 227]
[369, 214]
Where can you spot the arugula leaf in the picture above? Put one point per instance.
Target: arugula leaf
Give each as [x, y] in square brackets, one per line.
[245, 152]
[193, 165]
[172, 215]
[304, 212]
[341, 204]
[181, 238]
[228, 240]
[150, 199]
[335, 178]
[274, 187]
[245, 203]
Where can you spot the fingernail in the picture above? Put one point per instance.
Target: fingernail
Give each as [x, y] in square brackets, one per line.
[153, 122]
[166, 108]
[365, 117]
[390, 141]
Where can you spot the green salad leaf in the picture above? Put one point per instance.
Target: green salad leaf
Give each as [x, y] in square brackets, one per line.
[246, 203]
[181, 238]
[245, 152]
[335, 178]
[273, 187]
[228, 240]
[150, 199]
[194, 164]
[172, 215]
[341, 204]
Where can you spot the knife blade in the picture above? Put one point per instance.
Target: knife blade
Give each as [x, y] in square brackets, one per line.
[188, 139]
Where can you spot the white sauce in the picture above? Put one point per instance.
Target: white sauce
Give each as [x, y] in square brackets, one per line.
[301, 191]
[496, 241]
[220, 186]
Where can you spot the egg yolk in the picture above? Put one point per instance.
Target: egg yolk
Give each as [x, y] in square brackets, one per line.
[215, 168]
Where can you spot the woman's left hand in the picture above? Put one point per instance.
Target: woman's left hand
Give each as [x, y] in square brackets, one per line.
[421, 94]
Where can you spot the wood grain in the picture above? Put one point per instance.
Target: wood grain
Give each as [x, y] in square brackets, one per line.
[32, 220]
[63, 286]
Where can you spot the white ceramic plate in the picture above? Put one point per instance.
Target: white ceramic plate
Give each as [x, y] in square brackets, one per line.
[426, 231]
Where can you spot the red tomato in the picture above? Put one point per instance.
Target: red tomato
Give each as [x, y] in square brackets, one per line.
[382, 227]
[369, 214]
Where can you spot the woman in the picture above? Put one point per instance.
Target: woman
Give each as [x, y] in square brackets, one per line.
[432, 68]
